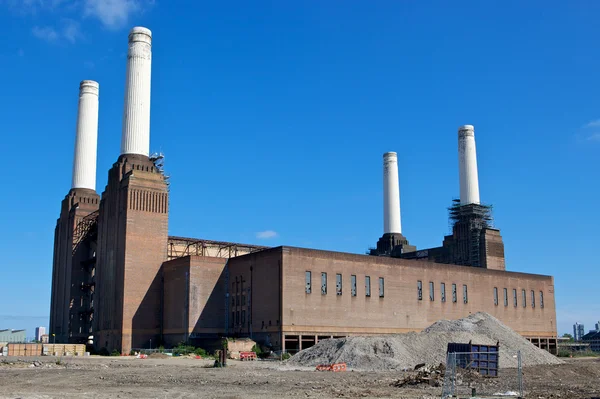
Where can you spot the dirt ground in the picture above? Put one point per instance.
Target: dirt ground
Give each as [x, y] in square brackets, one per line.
[124, 377]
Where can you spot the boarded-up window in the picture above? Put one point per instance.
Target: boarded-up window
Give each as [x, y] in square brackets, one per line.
[431, 288]
[419, 290]
[353, 285]
[505, 297]
[381, 287]
[443, 289]
[323, 283]
[454, 295]
[496, 296]
[308, 287]
[367, 285]
[338, 284]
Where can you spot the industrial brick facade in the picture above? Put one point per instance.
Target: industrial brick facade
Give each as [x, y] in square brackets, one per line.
[76, 205]
[288, 308]
[132, 245]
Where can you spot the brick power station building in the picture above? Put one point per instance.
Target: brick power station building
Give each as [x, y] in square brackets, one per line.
[118, 276]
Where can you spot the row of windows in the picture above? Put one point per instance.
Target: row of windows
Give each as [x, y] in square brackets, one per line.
[338, 284]
[515, 298]
[442, 292]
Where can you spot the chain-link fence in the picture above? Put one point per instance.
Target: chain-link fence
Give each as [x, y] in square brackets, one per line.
[483, 374]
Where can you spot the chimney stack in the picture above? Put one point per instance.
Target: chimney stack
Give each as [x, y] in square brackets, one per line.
[136, 116]
[86, 138]
[467, 166]
[391, 194]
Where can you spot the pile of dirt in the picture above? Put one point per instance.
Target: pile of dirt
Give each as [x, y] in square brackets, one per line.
[404, 351]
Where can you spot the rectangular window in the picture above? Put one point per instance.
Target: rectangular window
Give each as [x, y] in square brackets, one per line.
[465, 294]
[231, 322]
[308, 287]
[542, 301]
[381, 287]
[443, 288]
[524, 298]
[237, 317]
[419, 290]
[243, 317]
[454, 293]
[515, 297]
[505, 297]
[367, 285]
[353, 285]
[323, 283]
[496, 296]
[431, 297]
[338, 284]
[532, 298]
[232, 301]
[243, 300]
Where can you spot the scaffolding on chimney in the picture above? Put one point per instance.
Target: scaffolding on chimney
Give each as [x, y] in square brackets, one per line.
[467, 222]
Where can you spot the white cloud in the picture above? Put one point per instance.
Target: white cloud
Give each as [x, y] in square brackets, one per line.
[113, 13]
[594, 137]
[595, 123]
[33, 6]
[46, 33]
[71, 30]
[266, 234]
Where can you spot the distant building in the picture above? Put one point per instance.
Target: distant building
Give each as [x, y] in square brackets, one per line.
[39, 331]
[598, 326]
[593, 339]
[12, 335]
[45, 338]
[578, 331]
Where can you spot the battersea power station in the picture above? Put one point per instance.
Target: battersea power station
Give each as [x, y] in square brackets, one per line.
[119, 277]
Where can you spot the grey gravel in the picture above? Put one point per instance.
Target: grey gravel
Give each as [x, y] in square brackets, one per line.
[404, 351]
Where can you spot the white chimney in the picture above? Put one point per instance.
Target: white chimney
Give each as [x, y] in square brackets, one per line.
[86, 137]
[391, 194]
[467, 166]
[136, 116]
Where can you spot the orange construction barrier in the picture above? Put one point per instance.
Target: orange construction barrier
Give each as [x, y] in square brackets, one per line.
[336, 367]
[247, 355]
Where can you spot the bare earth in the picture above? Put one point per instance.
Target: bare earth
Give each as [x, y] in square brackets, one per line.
[110, 377]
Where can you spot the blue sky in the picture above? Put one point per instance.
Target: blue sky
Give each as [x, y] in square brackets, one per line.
[274, 116]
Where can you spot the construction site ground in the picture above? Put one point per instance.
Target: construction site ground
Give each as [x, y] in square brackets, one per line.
[127, 377]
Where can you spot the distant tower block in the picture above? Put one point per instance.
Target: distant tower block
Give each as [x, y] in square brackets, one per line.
[467, 166]
[136, 116]
[86, 138]
[392, 243]
[391, 194]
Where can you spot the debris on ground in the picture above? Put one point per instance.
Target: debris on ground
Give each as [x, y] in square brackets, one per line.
[404, 351]
[425, 374]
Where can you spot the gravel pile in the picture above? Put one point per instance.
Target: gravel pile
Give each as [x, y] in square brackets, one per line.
[404, 351]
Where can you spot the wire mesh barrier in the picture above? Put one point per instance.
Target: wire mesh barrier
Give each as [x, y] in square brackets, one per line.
[483, 375]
